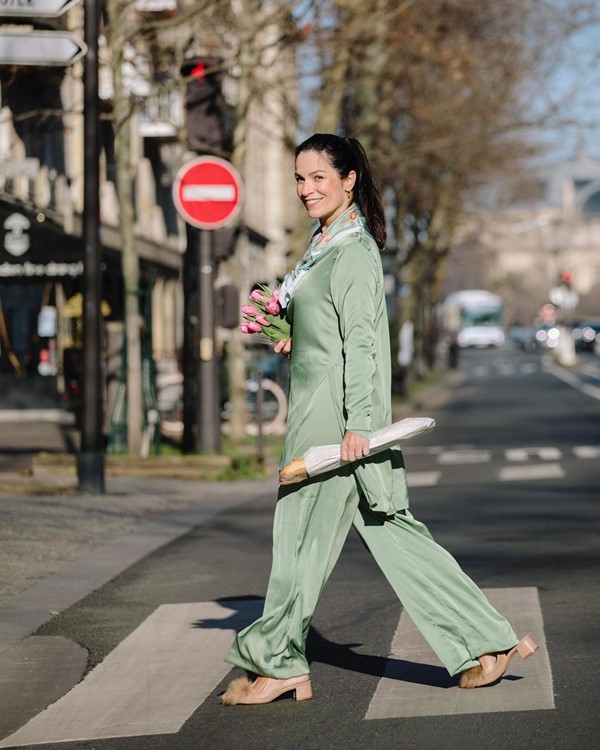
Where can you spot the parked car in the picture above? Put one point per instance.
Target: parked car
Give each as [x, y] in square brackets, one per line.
[586, 334]
[538, 337]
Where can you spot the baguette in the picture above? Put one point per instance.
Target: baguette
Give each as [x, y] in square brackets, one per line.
[293, 472]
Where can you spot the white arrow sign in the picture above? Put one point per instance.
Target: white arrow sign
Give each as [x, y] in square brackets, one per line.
[40, 48]
[41, 8]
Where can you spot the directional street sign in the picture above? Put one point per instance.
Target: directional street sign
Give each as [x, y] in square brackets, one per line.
[40, 48]
[35, 8]
[208, 192]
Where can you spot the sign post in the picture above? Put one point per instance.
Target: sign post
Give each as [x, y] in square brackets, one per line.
[90, 459]
[207, 193]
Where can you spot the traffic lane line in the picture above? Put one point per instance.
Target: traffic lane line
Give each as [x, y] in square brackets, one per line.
[152, 682]
[571, 379]
[416, 684]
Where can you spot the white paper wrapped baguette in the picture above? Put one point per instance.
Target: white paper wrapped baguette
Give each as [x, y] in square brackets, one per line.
[324, 458]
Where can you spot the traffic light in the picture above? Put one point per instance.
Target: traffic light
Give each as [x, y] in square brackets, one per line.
[566, 279]
[209, 121]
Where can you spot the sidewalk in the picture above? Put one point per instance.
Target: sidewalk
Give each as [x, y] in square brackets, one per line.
[58, 545]
[56, 549]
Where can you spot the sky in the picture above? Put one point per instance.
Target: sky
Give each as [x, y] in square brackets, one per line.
[576, 83]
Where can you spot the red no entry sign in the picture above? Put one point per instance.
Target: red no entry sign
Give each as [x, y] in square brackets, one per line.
[208, 192]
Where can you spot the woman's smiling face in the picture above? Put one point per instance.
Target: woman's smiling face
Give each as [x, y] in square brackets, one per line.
[320, 187]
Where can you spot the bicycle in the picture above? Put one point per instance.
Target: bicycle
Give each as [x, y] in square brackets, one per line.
[169, 388]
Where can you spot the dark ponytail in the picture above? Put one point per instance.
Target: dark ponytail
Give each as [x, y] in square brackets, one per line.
[347, 155]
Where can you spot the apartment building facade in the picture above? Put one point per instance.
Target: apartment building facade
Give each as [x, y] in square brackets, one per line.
[41, 203]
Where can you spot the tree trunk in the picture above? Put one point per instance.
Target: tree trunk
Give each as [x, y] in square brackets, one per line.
[118, 17]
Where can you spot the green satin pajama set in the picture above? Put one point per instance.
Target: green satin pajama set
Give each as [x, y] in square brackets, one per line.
[341, 381]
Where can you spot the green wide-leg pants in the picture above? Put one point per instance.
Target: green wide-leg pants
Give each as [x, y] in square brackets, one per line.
[310, 527]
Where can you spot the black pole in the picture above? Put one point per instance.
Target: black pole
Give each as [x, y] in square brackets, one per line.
[190, 341]
[90, 464]
[260, 401]
[209, 429]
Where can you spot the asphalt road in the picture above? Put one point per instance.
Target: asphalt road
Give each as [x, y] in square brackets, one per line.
[507, 481]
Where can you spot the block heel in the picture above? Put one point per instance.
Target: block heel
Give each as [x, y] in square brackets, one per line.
[478, 677]
[265, 689]
[303, 692]
[526, 647]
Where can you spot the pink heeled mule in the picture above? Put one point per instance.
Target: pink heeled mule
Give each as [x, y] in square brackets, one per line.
[265, 690]
[478, 677]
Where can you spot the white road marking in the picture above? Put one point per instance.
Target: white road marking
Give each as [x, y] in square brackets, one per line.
[152, 682]
[22, 614]
[524, 454]
[422, 478]
[592, 370]
[415, 683]
[480, 371]
[534, 471]
[507, 369]
[528, 368]
[587, 451]
[434, 449]
[568, 377]
[464, 457]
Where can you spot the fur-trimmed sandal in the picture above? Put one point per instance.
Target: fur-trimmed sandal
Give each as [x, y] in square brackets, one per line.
[265, 690]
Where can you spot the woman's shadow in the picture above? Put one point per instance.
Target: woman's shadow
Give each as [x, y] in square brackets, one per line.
[341, 655]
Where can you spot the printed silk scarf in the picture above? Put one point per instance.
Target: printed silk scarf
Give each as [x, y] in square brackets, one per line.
[351, 221]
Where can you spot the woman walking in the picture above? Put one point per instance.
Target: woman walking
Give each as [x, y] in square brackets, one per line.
[340, 392]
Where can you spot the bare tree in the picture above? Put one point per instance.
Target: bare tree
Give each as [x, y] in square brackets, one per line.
[440, 94]
[248, 36]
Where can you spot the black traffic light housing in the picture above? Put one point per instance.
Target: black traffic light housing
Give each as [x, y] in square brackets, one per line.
[209, 120]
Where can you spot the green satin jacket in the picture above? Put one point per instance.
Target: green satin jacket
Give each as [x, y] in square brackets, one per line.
[340, 376]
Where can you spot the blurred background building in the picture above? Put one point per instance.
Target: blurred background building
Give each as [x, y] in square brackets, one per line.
[41, 195]
[545, 226]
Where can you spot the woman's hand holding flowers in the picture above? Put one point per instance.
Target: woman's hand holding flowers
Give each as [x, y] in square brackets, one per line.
[284, 347]
[264, 316]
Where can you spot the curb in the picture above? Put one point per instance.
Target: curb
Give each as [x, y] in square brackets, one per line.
[56, 473]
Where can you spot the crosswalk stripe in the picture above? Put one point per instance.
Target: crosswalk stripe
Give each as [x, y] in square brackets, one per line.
[546, 453]
[506, 369]
[464, 457]
[533, 471]
[152, 682]
[528, 368]
[415, 683]
[587, 451]
[422, 478]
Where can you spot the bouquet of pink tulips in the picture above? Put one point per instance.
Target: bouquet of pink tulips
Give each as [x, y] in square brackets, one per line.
[263, 315]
